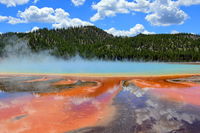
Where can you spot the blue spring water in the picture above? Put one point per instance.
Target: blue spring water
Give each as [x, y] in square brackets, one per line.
[97, 67]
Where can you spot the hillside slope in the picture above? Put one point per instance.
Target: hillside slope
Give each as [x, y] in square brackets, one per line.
[92, 42]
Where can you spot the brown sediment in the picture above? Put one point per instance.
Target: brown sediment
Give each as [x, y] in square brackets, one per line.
[38, 80]
[86, 105]
[162, 82]
[110, 113]
[103, 85]
[166, 87]
[65, 82]
[48, 113]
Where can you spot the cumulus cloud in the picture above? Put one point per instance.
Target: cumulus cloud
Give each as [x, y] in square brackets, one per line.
[57, 17]
[78, 2]
[106, 8]
[174, 32]
[164, 13]
[3, 18]
[35, 29]
[159, 12]
[10, 3]
[35, 1]
[187, 2]
[138, 28]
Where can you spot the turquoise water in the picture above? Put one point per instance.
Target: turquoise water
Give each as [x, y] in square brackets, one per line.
[97, 67]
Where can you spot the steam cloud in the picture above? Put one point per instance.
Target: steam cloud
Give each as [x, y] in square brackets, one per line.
[19, 58]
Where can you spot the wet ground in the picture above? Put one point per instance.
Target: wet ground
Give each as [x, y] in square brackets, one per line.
[71, 104]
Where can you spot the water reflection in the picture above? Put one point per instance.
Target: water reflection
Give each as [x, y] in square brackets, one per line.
[43, 103]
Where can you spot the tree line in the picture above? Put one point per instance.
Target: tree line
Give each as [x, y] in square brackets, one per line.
[91, 42]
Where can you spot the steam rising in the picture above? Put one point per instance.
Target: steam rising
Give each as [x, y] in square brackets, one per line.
[19, 58]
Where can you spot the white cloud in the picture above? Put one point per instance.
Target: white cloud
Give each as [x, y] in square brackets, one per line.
[164, 13]
[10, 3]
[3, 18]
[107, 8]
[57, 17]
[35, 29]
[187, 2]
[174, 32]
[75, 22]
[35, 1]
[138, 28]
[13, 20]
[159, 12]
[78, 2]
[35, 14]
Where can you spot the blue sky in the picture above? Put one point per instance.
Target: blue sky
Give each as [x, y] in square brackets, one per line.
[118, 17]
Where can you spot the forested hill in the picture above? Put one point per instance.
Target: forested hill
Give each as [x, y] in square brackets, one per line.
[91, 42]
